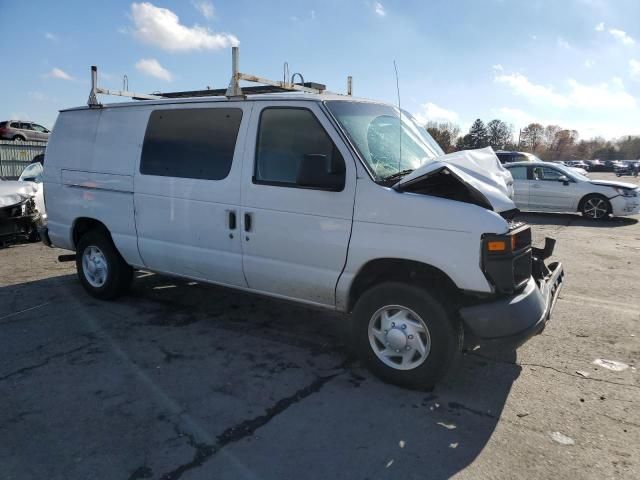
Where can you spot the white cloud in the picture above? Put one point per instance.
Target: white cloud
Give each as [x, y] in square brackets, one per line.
[621, 36]
[514, 115]
[162, 28]
[535, 93]
[634, 69]
[599, 96]
[205, 8]
[498, 67]
[152, 67]
[313, 14]
[600, 27]
[379, 9]
[534, 37]
[59, 74]
[589, 63]
[51, 36]
[432, 112]
[562, 43]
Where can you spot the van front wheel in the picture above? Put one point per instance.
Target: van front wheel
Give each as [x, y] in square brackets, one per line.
[102, 271]
[405, 335]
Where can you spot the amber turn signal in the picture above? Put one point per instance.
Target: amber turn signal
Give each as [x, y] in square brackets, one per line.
[497, 246]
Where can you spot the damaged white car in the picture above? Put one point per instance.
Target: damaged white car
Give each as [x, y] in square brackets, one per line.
[22, 206]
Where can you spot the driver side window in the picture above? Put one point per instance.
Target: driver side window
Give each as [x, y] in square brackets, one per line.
[293, 150]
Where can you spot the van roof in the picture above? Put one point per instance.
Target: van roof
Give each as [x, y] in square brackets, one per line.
[294, 96]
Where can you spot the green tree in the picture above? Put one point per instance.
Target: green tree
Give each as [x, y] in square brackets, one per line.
[478, 136]
[499, 134]
[531, 137]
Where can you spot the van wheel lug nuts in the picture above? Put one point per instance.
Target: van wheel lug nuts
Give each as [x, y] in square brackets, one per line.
[404, 327]
[410, 337]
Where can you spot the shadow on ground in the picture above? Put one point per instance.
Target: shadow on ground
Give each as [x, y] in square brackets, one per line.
[182, 380]
[574, 220]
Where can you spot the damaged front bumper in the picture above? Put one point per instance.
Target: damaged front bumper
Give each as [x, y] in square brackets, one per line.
[19, 221]
[512, 320]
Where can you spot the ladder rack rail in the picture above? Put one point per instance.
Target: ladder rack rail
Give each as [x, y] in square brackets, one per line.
[233, 91]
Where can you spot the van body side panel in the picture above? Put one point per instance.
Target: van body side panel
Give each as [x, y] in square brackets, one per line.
[183, 224]
[297, 243]
[422, 228]
[71, 145]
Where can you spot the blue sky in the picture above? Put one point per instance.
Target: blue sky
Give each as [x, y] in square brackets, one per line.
[575, 63]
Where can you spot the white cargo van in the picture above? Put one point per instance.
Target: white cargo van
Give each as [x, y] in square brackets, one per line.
[308, 197]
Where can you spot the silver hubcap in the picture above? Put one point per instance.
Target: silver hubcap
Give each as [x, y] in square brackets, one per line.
[399, 337]
[94, 266]
[595, 208]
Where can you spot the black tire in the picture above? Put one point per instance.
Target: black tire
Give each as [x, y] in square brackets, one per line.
[445, 334]
[118, 273]
[588, 203]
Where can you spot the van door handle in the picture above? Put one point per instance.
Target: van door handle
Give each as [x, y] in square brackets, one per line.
[232, 220]
[247, 222]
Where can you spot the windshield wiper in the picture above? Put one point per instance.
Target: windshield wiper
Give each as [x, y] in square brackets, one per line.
[397, 175]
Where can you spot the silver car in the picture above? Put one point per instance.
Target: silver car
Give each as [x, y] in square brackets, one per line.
[549, 187]
[22, 130]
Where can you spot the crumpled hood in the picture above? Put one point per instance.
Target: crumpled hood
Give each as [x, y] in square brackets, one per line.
[14, 192]
[478, 169]
[613, 183]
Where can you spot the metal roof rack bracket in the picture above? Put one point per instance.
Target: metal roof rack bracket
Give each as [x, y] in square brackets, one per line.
[233, 91]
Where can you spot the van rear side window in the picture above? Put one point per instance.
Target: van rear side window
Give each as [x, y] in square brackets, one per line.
[190, 143]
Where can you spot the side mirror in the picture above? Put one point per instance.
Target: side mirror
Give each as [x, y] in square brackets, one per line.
[564, 179]
[321, 172]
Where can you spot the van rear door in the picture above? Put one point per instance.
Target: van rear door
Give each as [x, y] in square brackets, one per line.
[298, 191]
[187, 191]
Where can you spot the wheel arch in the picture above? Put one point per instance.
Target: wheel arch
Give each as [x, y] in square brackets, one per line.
[381, 270]
[592, 194]
[83, 225]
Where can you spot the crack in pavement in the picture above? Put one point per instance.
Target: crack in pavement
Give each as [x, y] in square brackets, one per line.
[563, 372]
[43, 362]
[205, 451]
[13, 314]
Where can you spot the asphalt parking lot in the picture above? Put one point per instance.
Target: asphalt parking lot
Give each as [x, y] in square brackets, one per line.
[183, 380]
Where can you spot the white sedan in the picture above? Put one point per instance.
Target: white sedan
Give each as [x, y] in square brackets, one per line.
[548, 187]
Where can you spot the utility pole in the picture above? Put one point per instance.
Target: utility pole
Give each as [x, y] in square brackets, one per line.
[519, 137]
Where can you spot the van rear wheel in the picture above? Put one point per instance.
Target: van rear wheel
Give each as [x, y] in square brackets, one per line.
[102, 271]
[405, 335]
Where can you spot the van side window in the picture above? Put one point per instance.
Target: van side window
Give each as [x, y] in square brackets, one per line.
[293, 149]
[190, 142]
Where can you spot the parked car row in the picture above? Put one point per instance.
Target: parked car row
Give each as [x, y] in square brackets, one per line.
[627, 167]
[22, 130]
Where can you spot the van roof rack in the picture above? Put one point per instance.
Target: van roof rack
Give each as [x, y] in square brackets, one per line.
[232, 91]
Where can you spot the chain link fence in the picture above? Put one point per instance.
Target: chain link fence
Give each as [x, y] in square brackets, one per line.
[14, 156]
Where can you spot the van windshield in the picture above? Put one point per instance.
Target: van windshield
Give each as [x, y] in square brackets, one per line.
[376, 129]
